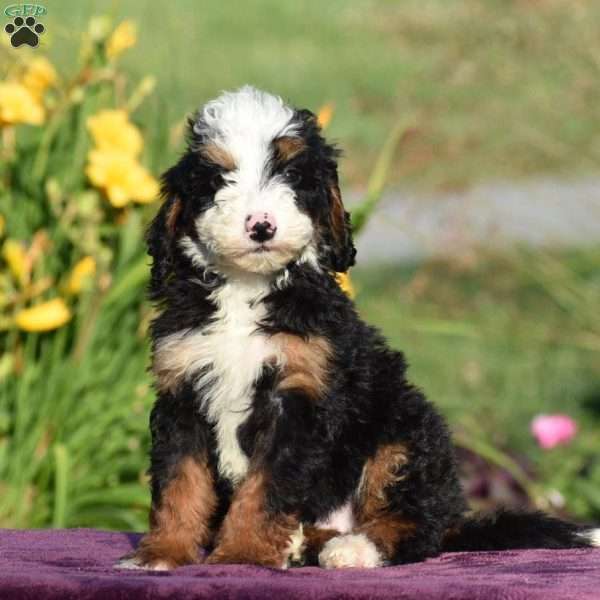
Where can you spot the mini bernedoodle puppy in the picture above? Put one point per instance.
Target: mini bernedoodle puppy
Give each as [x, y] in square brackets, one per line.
[285, 431]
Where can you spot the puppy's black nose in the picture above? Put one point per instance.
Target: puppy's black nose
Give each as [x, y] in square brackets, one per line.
[261, 226]
[261, 232]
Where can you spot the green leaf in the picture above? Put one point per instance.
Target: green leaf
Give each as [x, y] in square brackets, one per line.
[61, 486]
[379, 176]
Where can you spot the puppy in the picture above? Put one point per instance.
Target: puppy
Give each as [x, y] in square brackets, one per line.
[285, 431]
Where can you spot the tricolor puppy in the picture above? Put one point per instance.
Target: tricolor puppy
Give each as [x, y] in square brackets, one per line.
[285, 431]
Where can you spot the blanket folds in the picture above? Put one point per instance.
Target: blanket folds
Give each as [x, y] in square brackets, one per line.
[78, 563]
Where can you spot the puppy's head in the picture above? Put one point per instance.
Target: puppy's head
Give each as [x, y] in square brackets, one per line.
[256, 190]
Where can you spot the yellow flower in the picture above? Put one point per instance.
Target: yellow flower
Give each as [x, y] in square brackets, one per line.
[82, 272]
[19, 105]
[325, 114]
[40, 74]
[2, 225]
[16, 258]
[147, 188]
[123, 37]
[345, 283]
[99, 28]
[44, 317]
[121, 177]
[112, 130]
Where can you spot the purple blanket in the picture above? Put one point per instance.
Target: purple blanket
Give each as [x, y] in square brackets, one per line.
[77, 563]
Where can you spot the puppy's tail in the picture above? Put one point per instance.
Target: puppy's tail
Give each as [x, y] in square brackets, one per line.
[507, 530]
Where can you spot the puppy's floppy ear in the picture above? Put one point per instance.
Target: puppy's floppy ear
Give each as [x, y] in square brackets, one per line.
[340, 243]
[161, 237]
[339, 251]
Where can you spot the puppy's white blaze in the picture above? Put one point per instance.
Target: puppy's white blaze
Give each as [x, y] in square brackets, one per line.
[244, 123]
[354, 550]
[226, 360]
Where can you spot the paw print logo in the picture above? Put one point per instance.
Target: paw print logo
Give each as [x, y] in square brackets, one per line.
[24, 31]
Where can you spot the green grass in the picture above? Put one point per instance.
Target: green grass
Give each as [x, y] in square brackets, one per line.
[495, 89]
[493, 345]
[491, 89]
[486, 343]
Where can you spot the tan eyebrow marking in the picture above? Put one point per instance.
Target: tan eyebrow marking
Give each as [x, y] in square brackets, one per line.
[287, 147]
[218, 156]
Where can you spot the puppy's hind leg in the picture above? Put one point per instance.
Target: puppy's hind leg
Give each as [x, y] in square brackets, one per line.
[380, 529]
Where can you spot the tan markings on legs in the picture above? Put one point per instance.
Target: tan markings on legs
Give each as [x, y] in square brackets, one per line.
[306, 363]
[181, 522]
[387, 531]
[251, 535]
[384, 528]
[218, 156]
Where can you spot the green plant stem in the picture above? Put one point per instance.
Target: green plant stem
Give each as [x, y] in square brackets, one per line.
[61, 485]
[379, 176]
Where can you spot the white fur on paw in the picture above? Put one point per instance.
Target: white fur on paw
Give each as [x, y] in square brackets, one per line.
[295, 547]
[353, 550]
[134, 563]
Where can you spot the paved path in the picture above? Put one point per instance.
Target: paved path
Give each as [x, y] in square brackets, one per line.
[542, 212]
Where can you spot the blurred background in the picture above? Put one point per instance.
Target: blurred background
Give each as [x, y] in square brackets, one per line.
[471, 160]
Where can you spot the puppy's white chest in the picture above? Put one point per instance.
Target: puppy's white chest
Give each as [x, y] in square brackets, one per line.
[224, 360]
[238, 353]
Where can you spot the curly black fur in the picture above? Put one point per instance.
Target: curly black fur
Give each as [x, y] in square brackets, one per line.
[315, 450]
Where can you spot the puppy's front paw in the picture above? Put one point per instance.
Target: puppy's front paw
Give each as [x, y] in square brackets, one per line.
[156, 553]
[134, 561]
[352, 550]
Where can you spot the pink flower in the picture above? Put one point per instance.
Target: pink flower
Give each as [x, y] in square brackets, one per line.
[552, 430]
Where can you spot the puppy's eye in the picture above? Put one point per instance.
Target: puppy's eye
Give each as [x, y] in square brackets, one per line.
[216, 181]
[292, 176]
